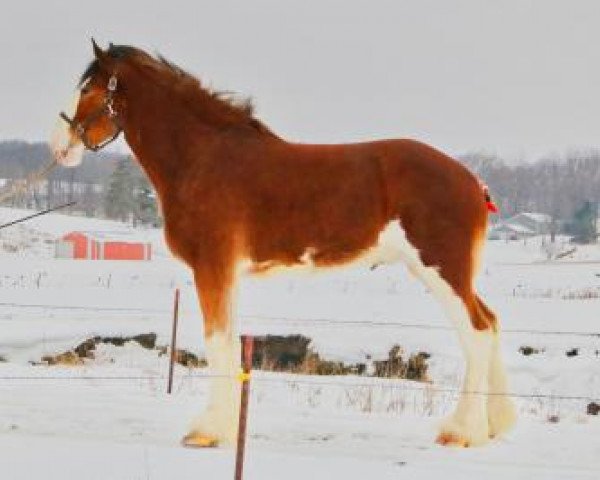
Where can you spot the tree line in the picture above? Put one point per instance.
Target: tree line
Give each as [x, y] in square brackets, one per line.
[566, 187]
[106, 184]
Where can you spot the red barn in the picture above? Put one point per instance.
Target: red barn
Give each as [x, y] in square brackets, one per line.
[103, 246]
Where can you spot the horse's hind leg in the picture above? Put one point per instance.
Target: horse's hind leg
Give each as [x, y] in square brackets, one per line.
[469, 424]
[448, 272]
[501, 410]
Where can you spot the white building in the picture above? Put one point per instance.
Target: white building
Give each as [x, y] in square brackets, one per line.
[522, 225]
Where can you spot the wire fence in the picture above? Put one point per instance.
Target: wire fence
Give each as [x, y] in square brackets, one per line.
[321, 321]
[395, 384]
[320, 381]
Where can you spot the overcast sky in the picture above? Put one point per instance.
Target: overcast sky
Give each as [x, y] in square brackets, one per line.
[518, 78]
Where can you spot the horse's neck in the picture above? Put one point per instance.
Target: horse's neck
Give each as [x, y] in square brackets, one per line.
[171, 141]
[155, 130]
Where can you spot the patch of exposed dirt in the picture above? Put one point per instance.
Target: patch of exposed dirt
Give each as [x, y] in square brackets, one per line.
[185, 358]
[86, 351]
[69, 358]
[293, 354]
[276, 353]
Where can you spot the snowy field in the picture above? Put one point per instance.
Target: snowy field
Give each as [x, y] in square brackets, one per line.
[111, 418]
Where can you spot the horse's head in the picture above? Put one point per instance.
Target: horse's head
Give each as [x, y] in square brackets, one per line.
[93, 120]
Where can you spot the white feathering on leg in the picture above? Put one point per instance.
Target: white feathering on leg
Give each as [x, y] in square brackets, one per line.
[469, 423]
[220, 419]
[501, 409]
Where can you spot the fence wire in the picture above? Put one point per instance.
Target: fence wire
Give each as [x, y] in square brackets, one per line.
[382, 384]
[321, 321]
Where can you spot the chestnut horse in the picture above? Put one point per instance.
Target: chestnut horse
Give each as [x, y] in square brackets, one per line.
[236, 198]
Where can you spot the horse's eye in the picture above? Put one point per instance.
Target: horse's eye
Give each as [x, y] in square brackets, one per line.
[85, 90]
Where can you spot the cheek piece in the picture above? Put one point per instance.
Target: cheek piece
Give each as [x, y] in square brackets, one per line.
[105, 110]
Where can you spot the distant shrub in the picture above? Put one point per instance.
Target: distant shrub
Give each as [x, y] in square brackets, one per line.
[527, 350]
[415, 368]
[593, 408]
[293, 354]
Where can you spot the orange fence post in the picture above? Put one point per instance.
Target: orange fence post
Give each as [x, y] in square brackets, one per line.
[247, 348]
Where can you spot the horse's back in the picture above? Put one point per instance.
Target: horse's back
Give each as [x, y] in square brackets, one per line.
[423, 177]
[402, 175]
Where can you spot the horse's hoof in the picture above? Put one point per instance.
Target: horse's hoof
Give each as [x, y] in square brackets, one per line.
[450, 439]
[198, 440]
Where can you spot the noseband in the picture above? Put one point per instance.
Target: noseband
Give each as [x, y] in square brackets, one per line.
[107, 109]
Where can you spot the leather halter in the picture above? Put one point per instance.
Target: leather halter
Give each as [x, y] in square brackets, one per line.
[106, 109]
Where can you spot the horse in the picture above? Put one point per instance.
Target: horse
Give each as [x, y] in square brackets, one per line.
[237, 199]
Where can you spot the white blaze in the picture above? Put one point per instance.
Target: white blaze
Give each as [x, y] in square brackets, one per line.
[66, 147]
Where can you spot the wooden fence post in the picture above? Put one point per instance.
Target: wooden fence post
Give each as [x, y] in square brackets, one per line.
[173, 355]
[247, 348]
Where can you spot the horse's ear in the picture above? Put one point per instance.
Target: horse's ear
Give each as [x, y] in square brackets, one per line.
[98, 52]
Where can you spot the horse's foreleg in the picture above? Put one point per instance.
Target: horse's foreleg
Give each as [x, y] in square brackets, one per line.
[217, 425]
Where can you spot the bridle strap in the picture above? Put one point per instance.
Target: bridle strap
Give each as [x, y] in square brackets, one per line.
[107, 109]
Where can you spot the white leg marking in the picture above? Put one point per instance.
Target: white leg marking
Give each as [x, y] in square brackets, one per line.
[66, 148]
[220, 419]
[501, 409]
[468, 426]
[469, 423]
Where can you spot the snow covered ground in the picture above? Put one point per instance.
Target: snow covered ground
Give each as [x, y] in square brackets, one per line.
[111, 418]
